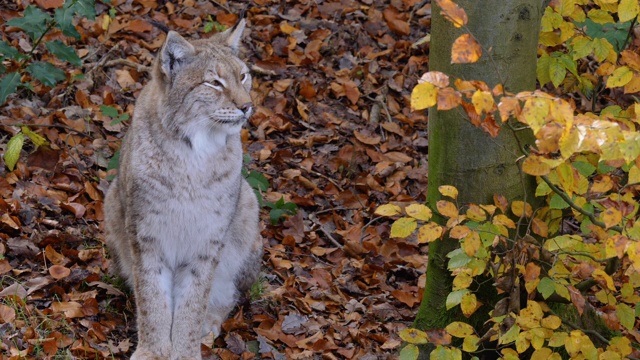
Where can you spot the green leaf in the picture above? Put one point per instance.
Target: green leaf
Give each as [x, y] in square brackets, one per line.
[121, 118]
[457, 259]
[257, 181]
[614, 33]
[63, 52]
[563, 242]
[208, 26]
[409, 352]
[34, 22]
[557, 202]
[12, 153]
[626, 315]
[113, 164]
[109, 111]
[8, 50]
[48, 74]
[542, 69]
[557, 71]
[455, 298]
[569, 63]
[64, 21]
[8, 85]
[584, 168]
[546, 287]
[86, 8]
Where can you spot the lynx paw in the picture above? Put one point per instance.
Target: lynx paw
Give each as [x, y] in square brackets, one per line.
[145, 354]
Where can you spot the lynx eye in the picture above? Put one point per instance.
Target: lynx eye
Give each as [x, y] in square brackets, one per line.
[214, 84]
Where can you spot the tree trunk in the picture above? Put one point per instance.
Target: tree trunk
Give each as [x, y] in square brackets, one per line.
[465, 156]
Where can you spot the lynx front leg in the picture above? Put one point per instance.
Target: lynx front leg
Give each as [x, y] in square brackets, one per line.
[152, 288]
[191, 293]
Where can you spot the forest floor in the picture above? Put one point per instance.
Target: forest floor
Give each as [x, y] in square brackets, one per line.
[332, 133]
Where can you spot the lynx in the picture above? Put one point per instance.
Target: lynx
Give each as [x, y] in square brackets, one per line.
[180, 220]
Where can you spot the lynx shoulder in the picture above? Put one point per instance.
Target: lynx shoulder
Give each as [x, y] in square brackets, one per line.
[181, 223]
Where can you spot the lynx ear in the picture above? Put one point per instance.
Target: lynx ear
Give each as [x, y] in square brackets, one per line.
[233, 36]
[175, 53]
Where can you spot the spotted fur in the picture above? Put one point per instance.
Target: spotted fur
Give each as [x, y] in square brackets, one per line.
[181, 223]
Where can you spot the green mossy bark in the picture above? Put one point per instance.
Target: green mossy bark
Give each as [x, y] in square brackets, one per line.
[461, 154]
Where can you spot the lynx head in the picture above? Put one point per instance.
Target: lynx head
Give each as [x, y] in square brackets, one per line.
[203, 87]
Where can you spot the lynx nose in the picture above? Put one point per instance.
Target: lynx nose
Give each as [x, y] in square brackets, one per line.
[246, 107]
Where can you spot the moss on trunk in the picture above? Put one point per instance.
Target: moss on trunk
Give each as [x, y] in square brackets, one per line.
[461, 154]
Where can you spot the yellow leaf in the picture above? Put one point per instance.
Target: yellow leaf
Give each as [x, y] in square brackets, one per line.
[602, 49]
[403, 227]
[602, 277]
[600, 16]
[533, 165]
[510, 336]
[418, 211]
[462, 281]
[565, 176]
[634, 174]
[509, 354]
[482, 101]
[459, 329]
[470, 343]
[627, 10]
[388, 210]
[582, 46]
[447, 208]
[620, 77]
[448, 190]
[551, 322]
[36, 139]
[286, 28]
[611, 217]
[476, 213]
[469, 304]
[423, 96]
[429, 232]
[465, 50]
[541, 354]
[621, 345]
[414, 336]
[630, 147]
[520, 208]
[534, 113]
[471, 244]
[504, 220]
[523, 342]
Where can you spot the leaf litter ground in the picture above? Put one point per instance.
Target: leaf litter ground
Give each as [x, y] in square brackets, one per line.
[332, 132]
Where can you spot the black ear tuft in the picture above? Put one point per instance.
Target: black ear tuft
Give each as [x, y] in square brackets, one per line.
[175, 53]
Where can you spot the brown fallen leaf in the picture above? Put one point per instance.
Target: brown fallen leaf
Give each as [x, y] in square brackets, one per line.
[59, 272]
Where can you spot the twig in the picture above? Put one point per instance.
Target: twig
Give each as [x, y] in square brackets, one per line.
[317, 174]
[138, 67]
[315, 220]
[100, 63]
[221, 5]
[573, 205]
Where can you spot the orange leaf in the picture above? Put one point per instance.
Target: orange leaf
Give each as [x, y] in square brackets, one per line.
[447, 208]
[459, 231]
[465, 50]
[533, 165]
[396, 21]
[452, 12]
[490, 126]
[405, 297]
[448, 99]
